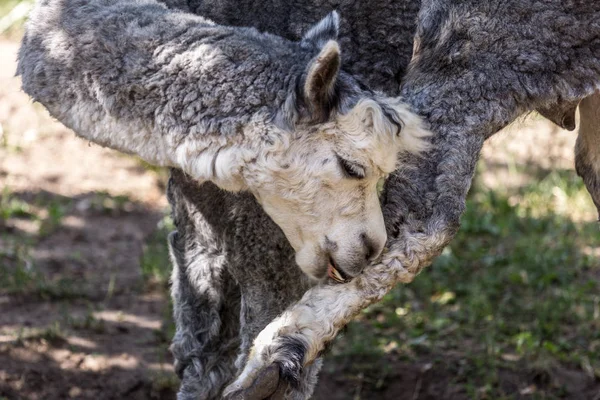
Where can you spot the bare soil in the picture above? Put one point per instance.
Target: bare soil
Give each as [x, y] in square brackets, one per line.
[91, 328]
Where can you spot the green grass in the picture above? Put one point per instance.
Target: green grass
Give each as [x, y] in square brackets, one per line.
[155, 262]
[11, 207]
[156, 271]
[55, 212]
[18, 273]
[86, 322]
[163, 382]
[517, 289]
[53, 334]
[47, 212]
[18, 276]
[105, 203]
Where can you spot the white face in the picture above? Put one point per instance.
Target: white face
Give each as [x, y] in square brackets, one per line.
[321, 189]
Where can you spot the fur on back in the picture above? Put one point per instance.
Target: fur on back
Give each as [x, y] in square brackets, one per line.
[159, 83]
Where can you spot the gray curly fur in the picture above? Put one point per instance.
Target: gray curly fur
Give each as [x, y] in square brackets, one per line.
[478, 66]
[136, 67]
[223, 282]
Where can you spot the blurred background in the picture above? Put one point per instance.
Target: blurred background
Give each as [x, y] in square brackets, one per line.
[511, 310]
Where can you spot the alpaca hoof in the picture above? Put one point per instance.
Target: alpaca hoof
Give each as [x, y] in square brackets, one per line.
[272, 367]
[267, 385]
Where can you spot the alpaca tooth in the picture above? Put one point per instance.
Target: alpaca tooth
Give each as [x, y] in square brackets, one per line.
[338, 275]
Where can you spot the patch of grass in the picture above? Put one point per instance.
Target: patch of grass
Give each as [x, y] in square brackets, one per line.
[517, 290]
[156, 270]
[86, 322]
[164, 383]
[52, 334]
[155, 262]
[18, 273]
[6, 144]
[55, 214]
[16, 269]
[19, 276]
[11, 207]
[25, 280]
[108, 204]
[48, 212]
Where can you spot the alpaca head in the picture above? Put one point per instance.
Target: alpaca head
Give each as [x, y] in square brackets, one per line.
[318, 179]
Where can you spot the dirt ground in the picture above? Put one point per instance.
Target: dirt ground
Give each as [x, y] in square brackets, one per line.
[92, 327]
[112, 347]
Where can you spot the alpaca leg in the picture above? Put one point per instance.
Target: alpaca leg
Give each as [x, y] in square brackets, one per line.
[206, 300]
[289, 380]
[270, 281]
[234, 272]
[206, 312]
[587, 149]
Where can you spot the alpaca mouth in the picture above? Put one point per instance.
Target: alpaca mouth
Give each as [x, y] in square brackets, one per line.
[334, 273]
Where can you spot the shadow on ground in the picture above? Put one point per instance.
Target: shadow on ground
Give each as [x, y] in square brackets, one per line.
[87, 313]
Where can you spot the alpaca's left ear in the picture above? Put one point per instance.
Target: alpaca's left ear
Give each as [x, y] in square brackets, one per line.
[319, 86]
[325, 30]
[322, 71]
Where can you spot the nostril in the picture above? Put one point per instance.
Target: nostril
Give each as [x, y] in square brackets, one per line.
[370, 249]
[370, 253]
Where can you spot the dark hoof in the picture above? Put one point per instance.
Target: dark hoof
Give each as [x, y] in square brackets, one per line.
[266, 386]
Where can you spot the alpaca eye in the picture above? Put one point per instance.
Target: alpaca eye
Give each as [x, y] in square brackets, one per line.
[351, 169]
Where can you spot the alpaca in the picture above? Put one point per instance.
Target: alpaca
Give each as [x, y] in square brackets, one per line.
[476, 67]
[245, 110]
[249, 123]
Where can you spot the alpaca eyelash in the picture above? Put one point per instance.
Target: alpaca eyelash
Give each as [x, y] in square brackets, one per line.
[351, 169]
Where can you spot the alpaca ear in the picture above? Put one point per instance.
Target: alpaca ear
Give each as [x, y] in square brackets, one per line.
[325, 30]
[319, 86]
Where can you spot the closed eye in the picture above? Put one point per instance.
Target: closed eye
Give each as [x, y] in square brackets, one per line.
[351, 169]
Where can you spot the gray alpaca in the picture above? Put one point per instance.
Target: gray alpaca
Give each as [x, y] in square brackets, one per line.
[477, 66]
[245, 111]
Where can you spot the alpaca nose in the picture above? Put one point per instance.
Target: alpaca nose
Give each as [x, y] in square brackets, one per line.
[351, 261]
